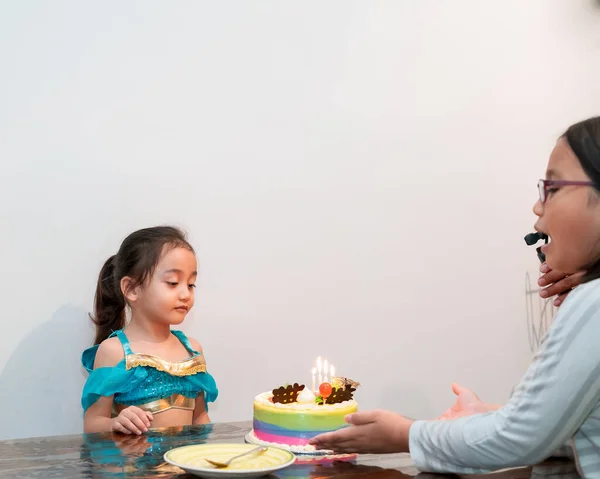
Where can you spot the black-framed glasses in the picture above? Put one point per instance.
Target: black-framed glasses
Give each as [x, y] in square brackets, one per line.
[545, 185]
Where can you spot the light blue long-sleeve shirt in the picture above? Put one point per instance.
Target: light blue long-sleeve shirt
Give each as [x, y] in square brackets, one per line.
[557, 402]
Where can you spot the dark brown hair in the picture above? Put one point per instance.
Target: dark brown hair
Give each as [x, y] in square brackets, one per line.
[584, 139]
[137, 258]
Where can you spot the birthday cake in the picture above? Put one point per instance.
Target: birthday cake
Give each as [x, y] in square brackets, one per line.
[289, 416]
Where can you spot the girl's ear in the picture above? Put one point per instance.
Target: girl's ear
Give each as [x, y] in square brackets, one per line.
[130, 293]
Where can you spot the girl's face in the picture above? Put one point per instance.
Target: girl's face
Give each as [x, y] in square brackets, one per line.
[570, 214]
[169, 294]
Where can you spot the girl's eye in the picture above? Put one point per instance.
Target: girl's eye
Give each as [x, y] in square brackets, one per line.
[192, 285]
[171, 283]
[551, 191]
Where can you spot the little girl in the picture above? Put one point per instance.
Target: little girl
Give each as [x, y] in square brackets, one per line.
[141, 372]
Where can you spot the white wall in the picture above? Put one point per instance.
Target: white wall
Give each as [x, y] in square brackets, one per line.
[357, 178]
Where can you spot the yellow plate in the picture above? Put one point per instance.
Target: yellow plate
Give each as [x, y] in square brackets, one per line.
[191, 460]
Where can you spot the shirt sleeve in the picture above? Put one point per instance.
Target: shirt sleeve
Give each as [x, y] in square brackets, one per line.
[556, 395]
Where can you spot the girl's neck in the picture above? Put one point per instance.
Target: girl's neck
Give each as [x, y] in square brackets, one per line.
[141, 328]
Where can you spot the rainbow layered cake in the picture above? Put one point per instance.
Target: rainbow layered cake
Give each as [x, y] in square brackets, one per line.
[291, 415]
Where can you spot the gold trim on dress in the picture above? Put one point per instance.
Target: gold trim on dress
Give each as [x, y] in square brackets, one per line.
[175, 401]
[187, 367]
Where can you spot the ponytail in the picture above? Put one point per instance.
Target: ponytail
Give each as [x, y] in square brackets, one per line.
[109, 303]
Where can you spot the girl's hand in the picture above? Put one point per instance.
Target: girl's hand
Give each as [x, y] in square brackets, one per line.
[467, 403]
[557, 283]
[131, 420]
[375, 432]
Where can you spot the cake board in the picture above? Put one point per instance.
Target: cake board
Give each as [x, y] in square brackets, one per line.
[307, 450]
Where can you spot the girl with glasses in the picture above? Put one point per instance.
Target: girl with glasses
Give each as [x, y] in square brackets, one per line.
[556, 407]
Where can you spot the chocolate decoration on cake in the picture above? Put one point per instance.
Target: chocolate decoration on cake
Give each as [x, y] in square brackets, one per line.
[287, 394]
[340, 395]
[343, 390]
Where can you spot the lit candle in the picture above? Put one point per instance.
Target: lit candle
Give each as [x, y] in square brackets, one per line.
[325, 370]
[332, 371]
[319, 370]
[313, 371]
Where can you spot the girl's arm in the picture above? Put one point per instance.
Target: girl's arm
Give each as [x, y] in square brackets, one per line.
[131, 420]
[559, 391]
[200, 413]
[98, 417]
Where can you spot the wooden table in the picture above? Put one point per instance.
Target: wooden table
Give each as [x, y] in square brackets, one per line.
[105, 455]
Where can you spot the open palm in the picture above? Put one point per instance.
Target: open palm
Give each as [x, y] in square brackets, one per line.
[467, 403]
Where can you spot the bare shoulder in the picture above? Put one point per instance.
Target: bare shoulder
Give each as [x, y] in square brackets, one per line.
[195, 344]
[110, 352]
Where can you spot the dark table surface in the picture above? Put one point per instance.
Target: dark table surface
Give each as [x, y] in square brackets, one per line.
[106, 455]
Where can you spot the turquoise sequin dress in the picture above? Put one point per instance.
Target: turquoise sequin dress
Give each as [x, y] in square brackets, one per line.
[140, 379]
